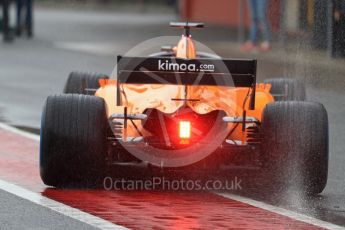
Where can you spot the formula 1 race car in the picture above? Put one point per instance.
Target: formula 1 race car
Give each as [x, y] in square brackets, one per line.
[180, 109]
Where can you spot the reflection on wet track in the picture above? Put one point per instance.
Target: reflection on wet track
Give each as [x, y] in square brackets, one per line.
[137, 209]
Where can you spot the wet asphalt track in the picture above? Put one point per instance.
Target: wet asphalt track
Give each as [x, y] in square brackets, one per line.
[30, 70]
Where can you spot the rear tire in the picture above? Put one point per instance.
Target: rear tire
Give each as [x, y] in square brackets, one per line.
[78, 82]
[73, 140]
[296, 145]
[284, 89]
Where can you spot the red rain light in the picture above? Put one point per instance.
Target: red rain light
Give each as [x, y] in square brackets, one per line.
[184, 129]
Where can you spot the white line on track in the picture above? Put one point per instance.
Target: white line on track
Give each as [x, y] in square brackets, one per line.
[19, 132]
[103, 224]
[58, 207]
[281, 211]
[49, 203]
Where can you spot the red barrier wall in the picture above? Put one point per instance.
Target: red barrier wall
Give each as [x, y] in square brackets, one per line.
[225, 12]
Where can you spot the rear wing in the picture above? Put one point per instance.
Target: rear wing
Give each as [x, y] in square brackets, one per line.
[176, 71]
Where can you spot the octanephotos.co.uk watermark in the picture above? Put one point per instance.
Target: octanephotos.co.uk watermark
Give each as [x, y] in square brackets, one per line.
[162, 183]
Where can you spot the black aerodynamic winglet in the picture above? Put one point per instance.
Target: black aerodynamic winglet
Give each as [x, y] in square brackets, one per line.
[187, 26]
